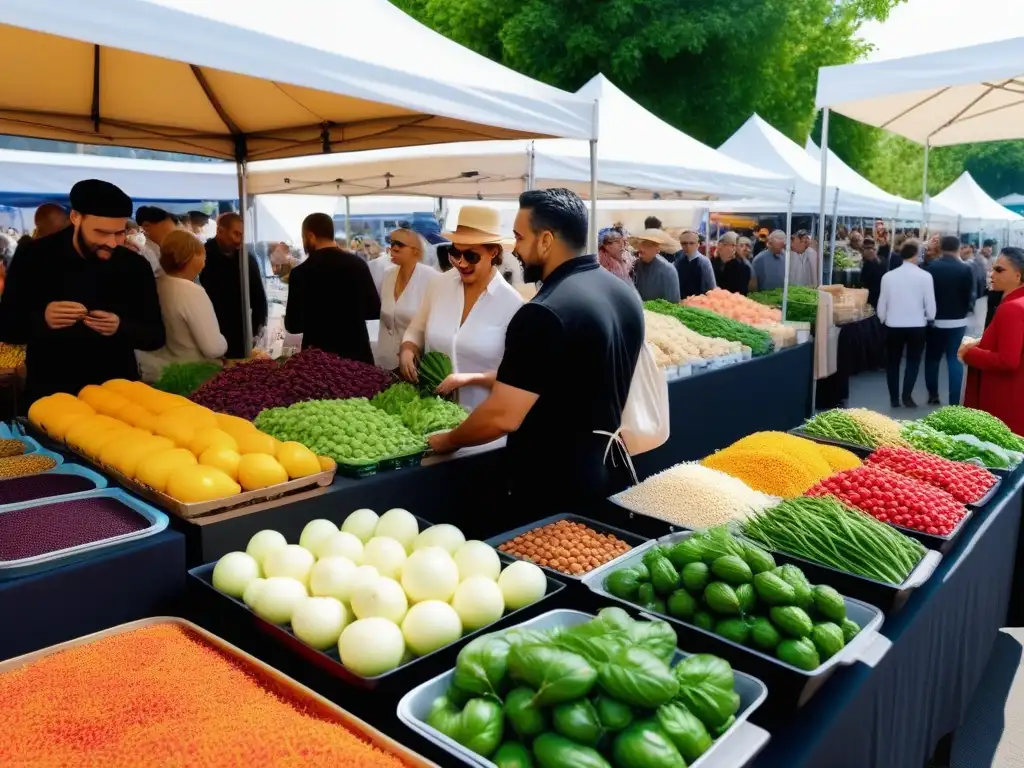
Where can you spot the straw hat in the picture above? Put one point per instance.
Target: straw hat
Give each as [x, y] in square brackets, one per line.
[667, 243]
[478, 225]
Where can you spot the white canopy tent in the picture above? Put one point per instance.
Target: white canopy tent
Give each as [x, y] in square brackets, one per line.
[978, 211]
[639, 154]
[1014, 199]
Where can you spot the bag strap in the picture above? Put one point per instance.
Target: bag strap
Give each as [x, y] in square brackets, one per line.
[616, 440]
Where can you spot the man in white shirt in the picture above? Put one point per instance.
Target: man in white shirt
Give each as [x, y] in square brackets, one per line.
[803, 260]
[906, 305]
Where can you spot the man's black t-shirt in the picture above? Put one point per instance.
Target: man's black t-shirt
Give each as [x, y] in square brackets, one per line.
[575, 346]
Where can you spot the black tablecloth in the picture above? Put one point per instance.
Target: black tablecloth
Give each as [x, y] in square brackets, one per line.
[861, 349]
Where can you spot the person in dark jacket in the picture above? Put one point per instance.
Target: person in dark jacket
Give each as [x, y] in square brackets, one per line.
[80, 300]
[696, 275]
[221, 277]
[954, 300]
[731, 272]
[871, 271]
[331, 295]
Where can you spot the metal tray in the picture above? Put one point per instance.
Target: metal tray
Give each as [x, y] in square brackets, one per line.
[869, 646]
[99, 483]
[316, 703]
[328, 660]
[630, 538]
[942, 543]
[861, 451]
[11, 569]
[733, 749]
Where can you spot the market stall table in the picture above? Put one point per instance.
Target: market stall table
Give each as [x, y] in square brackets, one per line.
[861, 349]
[141, 579]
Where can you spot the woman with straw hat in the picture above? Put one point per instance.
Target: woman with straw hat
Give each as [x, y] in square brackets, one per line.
[465, 311]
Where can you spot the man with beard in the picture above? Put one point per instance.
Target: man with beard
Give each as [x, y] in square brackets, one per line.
[80, 300]
[583, 325]
[331, 295]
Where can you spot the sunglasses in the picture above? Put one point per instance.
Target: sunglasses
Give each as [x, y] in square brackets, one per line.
[998, 270]
[470, 257]
[399, 245]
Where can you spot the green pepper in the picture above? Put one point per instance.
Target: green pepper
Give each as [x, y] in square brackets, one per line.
[554, 751]
[664, 576]
[614, 715]
[512, 754]
[578, 720]
[483, 726]
[684, 729]
[526, 719]
[622, 584]
[645, 745]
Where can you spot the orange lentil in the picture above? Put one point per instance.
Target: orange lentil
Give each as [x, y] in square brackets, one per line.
[161, 696]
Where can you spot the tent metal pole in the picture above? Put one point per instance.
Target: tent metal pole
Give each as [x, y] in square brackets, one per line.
[924, 190]
[531, 168]
[824, 188]
[958, 218]
[243, 256]
[832, 245]
[789, 245]
[348, 220]
[892, 234]
[593, 195]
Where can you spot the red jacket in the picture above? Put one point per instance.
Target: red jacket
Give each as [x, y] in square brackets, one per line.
[995, 378]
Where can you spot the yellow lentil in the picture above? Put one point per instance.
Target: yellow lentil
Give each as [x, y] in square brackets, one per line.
[769, 472]
[801, 449]
[838, 458]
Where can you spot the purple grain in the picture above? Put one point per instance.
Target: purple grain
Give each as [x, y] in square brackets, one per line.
[50, 527]
[29, 487]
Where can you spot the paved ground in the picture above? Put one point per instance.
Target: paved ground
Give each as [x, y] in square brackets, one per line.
[868, 390]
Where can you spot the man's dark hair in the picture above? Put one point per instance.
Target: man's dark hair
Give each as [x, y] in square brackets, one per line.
[910, 250]
[869, 242]
[559, 211]
[48, 209]
[320, 225]
[150, 214]
[989, 244]
[801, 233]
[198, 218]
[652, 222]
[949, 244]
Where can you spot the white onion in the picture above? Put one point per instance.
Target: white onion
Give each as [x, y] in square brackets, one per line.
[371, 647]
[430, 625]
[400, 525]
[521, 584]
[332, 577]
[446, 536]
[430, 574]
[340, 543]
[292, 561]
[263, 543]
[318, 621]
[233, 573]
[383, 598]
[252, 591]
[479, 602]
[385, 554]
[277, 599]
[361, 524]
[314, 532]
[475, 558]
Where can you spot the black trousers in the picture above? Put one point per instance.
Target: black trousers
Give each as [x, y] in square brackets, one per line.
[896, 341]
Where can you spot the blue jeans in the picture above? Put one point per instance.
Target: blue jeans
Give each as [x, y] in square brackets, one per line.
[944, 342]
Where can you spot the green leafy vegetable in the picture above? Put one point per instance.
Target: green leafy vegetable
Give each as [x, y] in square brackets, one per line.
[434, 368]
[706, 688]
[482, 665]
[555, 674]
[554, 751]
[525, 717]
[578, 720]
[512, 754]
[684, 729]
[185, 378]
[645, 745]
[958, 420]
[479, 726]
[638, 677]
[614, 715]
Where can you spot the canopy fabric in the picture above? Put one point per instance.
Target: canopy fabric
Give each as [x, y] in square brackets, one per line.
[1014, 199]
[757, 141]
[977, 211]
[639, 154]
[948, 97]
[238, 80]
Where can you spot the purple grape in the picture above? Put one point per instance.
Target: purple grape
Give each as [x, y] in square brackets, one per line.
[58, 525]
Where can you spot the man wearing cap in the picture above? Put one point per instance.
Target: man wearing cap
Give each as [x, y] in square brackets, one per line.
[80, 300]
[653, 276]
[731, 272]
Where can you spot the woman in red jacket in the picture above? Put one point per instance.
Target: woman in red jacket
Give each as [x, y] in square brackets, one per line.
[995, 378]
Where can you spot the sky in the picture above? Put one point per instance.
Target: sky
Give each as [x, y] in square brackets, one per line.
[925, 26]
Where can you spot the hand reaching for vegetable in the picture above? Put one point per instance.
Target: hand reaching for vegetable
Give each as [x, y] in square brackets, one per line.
[452, 382]
[407, 365]
[440, 443]
[104, 323]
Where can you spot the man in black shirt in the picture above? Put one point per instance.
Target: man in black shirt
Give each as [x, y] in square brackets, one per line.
[221, 277]
[871, 270]
[331, 295]
[731, 272]
[80, 300]
[568, 364]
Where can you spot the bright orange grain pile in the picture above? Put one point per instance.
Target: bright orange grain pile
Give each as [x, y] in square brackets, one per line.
[161, 696]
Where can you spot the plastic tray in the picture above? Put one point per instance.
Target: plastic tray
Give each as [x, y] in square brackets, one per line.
[11, 569]
[869, 646]
[862, 451]
[8, 433]
[733, 749]
[316, 703]
[329, 660]
[98, 480]
[630, 538]
[989, 495]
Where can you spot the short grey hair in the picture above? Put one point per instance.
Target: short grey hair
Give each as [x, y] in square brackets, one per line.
[744, 241]
[729, 238]
[778, 234]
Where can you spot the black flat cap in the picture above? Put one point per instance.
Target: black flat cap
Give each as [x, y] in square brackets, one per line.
[95, 197]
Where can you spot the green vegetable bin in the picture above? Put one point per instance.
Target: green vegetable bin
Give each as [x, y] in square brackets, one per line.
[735, 748]
[790, 686]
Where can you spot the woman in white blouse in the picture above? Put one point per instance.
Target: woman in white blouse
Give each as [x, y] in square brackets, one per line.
[402, 293]
[193, 333]
[466, 310]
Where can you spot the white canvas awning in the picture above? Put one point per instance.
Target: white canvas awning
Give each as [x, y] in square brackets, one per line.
[237, 80]
[639, 155]
[1014, 199]
[977, 211]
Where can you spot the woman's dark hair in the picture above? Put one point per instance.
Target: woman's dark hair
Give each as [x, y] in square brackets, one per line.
[559, 211]
[910, 250]
[1015, 256]
[496, 254]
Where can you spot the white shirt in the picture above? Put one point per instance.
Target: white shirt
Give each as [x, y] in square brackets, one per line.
[378, 267]
[395, 315]
[907, 298]
[478, 345]
[152, 253]
[803, 268]
[190, 323]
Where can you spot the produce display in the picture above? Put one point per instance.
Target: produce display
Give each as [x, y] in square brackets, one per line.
[598, 695]
[348, 431]
[675, 344]
[30, 464]
[694, 496]
[782, 335]
[29, 487]
[58, 525]
[959, 447]
[826, 531]
[958, 420]
[378, 589]
[11, 448]
[775, 463]
[731, 587]
[420, 415]
[858, 426]
[162, 696]
[185, 378]
[246, 389]
[802, 305]
[895, 499]
[735, 306]
[966, 483]
[434, 368]
[11, 355]
[839, 458]
[567, 546]
[715, 326]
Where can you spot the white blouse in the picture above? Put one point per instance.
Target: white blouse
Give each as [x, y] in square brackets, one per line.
[478, 345]
[378, 268]
[397, 314]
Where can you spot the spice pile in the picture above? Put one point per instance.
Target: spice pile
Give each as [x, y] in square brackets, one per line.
[11, 448]
[895, 499]
[566, 546]
[966, 483]
[29, 464]
[857, 426]
[162, 696]
[774, 463]
[693, 496]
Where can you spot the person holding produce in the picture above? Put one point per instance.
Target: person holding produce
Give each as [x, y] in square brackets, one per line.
[653, 276]
[995, 376]
[190, 322]
[402, 293]
[696, 275]
[770, 264]
[954, 300]
[82, 301]
[732, 272]
[331, 295]
[464, 312]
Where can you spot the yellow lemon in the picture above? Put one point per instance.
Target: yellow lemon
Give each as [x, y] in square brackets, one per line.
[234, 425]
[256, 442]
[71, 403]
[297, 459]
[210, 437]
[104, 401]
[155, 469]
[90, 425]
[93, 443]
[192, 484]
[162, 402]
[224, 459]
[259, 470]
[58, 424]
[125, 457]
[326, 463]
[195, 415]
[121, 386]
[126, 442]
[181, 432]
[137, 416]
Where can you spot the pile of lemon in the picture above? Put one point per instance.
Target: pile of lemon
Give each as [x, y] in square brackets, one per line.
[171, 444]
